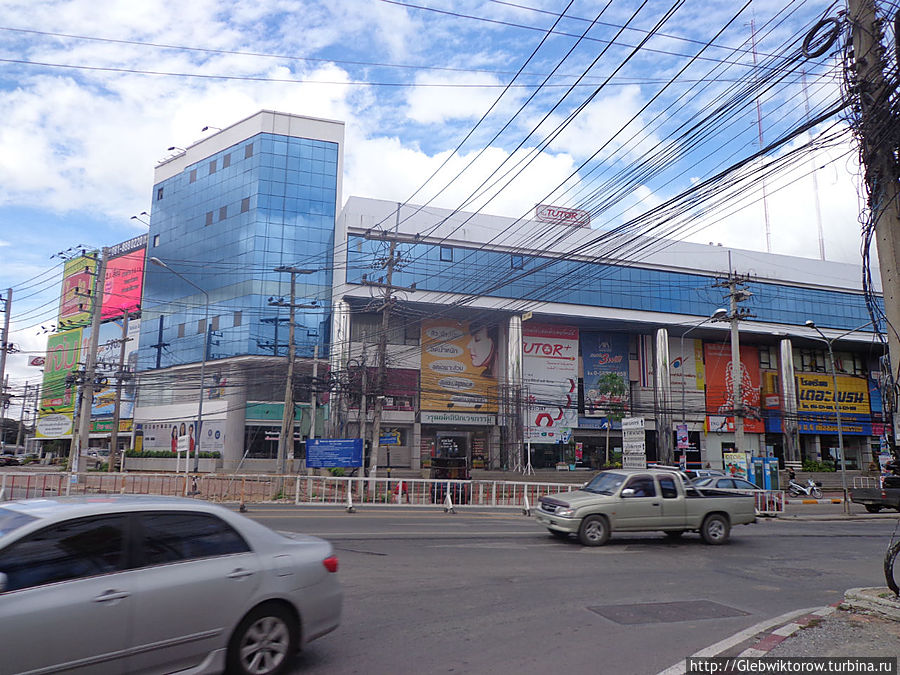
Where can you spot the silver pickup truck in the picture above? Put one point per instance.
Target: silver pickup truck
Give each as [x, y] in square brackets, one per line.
[638, 500]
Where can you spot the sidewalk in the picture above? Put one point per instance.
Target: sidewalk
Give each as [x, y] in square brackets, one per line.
[866, 623]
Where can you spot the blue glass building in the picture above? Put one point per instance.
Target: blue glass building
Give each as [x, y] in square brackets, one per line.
[226, 212]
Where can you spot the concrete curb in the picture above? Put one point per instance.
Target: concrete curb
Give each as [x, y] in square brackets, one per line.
[740, 638]
[767, 641]
[824, 500]
[880, 601]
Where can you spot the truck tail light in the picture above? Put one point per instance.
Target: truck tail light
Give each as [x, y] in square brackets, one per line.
[331, 563]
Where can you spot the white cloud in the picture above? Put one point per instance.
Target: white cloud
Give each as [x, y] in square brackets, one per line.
[428, 104]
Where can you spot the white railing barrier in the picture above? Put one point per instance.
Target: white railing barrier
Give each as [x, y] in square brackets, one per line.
[319, 490]
[865, 482]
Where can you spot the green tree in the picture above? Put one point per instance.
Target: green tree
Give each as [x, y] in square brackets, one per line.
[612, 387]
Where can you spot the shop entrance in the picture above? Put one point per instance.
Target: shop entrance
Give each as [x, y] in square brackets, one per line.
[454, 444]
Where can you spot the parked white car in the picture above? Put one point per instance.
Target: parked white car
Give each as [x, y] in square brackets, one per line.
[132, 584]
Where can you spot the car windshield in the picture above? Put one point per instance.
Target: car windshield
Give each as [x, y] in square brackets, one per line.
[10, 520]
[605, 483]
[703, 482]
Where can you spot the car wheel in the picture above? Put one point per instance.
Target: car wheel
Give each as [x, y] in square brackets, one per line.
[263, 643]
[594, 531]
[558, 534]
[715, 529]
[873, 508]
[674, 534]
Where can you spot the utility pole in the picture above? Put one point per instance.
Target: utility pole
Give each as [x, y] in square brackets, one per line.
[120, 377]
[364, 397]
[737, 293]
[389, 264]
[4, 345]
[286, 439]
[876, 132]
[22, 418]
[83, 430]
[313, 398]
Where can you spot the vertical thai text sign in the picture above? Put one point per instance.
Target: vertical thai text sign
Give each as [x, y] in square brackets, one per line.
[634, 447]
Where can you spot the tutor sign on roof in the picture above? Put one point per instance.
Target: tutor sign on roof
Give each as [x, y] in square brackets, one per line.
[547, 213]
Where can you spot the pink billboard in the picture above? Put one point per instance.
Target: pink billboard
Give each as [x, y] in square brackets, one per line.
[122, 284]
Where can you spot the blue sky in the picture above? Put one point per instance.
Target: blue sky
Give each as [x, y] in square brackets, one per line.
[84, 121]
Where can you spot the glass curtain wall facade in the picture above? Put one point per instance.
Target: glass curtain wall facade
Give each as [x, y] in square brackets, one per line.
[225, 223]
[477, 271]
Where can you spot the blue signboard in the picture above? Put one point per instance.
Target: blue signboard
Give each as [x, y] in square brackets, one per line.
[326, 453]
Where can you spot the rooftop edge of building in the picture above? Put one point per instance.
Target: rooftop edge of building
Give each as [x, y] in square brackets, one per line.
[263, 121]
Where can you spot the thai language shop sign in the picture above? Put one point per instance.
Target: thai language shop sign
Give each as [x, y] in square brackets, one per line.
[815, 404]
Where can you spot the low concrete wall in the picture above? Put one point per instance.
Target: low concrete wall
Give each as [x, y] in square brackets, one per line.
[163, 464]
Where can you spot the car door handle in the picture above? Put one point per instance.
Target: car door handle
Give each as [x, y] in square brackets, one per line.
[655, 503]
[111, 595]
[238, 573]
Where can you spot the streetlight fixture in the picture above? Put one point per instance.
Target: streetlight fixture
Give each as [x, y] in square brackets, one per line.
[175, 147]
[207, 128]
[159, 263]
[837, 408]
[718, 315]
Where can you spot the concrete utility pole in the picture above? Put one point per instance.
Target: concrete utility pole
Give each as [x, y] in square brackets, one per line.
[120, 376]
[737, 293]
[389, 264]
[313, 398]
[4, 344]
[22, 418]
[286, 439]
[876, 138]
[83, 430]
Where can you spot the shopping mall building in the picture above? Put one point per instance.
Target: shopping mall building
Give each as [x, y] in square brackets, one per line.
[504, 335]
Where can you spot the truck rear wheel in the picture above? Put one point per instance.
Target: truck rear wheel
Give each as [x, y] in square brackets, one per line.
[715, 529]
[873, 508]
[594, 531]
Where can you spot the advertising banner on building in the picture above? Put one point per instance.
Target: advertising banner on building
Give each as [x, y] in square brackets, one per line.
[686, 369]
[605, 357]
[459, 366]
[122, 284]
[178, 436]
[815, 404]
[720, 391]
[108, 365]
[550, 378]
[77, 291]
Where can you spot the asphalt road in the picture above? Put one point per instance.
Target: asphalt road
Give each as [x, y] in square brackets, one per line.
[488, 592]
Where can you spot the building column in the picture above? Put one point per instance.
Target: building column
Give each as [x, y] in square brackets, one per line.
[662, 383]
[789, 426]
[235, 419]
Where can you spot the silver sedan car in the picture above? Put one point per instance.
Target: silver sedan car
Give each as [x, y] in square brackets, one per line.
[131, 584]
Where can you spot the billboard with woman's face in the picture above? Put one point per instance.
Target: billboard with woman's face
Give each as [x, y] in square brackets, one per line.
[459, 366]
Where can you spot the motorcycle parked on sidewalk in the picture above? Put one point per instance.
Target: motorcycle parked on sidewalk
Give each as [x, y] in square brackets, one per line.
[811, 489]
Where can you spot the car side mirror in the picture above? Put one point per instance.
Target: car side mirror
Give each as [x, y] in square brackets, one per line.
[3, 581]
[628, 492]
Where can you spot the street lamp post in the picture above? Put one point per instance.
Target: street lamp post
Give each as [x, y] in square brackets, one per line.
[718, 315]
[160, 263]
[837, 408]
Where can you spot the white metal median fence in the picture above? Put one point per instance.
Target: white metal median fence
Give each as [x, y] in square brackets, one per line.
[259, 488]
[322, 490]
